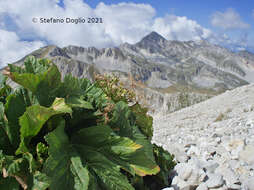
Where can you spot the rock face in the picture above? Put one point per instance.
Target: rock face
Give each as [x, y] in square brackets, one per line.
[161, 66]
[213, 141]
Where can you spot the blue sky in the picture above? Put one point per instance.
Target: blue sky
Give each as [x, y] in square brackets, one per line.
[201, 11]
[198, 10]
[229, 23]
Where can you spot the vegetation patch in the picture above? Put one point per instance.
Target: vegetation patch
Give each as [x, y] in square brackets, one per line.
[72, 134]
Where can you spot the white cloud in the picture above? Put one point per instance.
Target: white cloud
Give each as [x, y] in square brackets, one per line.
[180, 28]
[230, 19]
[122, 22]
[126, 22]
[12, 48]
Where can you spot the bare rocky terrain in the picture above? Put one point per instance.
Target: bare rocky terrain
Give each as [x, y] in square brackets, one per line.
[213, 142]
[165, 68]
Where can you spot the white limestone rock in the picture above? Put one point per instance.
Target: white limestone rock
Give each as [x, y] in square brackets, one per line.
[202, 186]
[214, 181]
[247, 154]
[248, 184]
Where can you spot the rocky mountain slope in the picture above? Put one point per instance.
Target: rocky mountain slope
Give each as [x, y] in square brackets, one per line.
[158, 67]
[212, 140]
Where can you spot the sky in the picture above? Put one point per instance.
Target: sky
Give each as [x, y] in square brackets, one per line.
[23, 29]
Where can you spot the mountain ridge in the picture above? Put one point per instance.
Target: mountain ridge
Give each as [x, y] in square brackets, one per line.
[160, 65]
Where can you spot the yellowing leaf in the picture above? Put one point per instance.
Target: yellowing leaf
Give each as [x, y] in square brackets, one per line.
[35, 117]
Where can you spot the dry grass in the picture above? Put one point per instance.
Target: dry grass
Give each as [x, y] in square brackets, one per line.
[220, 117]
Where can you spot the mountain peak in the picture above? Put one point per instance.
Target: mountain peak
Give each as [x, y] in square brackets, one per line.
[153, 37]
[153, 42]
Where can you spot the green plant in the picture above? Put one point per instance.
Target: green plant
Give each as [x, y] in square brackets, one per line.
[72, 134]
[183, 99]
[113, 88]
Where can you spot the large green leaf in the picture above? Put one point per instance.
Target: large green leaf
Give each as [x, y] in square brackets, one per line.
[28, 80]
[47, 88]
[43, 84]
[105, 153]
[14, 108]
[92, 136]
[128, 154]
[5, 143]
[64, 166]
[33, 65]
[142, 161]
[115, 148]
[143, 120]
[123, 119]
[35, 117]
[141, 139]
[108, 175]
[143, 165]
[102, 137]
[8, 183]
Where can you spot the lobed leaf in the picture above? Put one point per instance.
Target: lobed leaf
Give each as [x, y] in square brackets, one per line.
[108, 175]
[123, 120]
[43, 84]
[35, 117]
[14, 108]
[120, 150]
[64, 166]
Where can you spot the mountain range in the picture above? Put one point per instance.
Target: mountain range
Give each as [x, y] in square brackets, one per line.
[158, 66]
